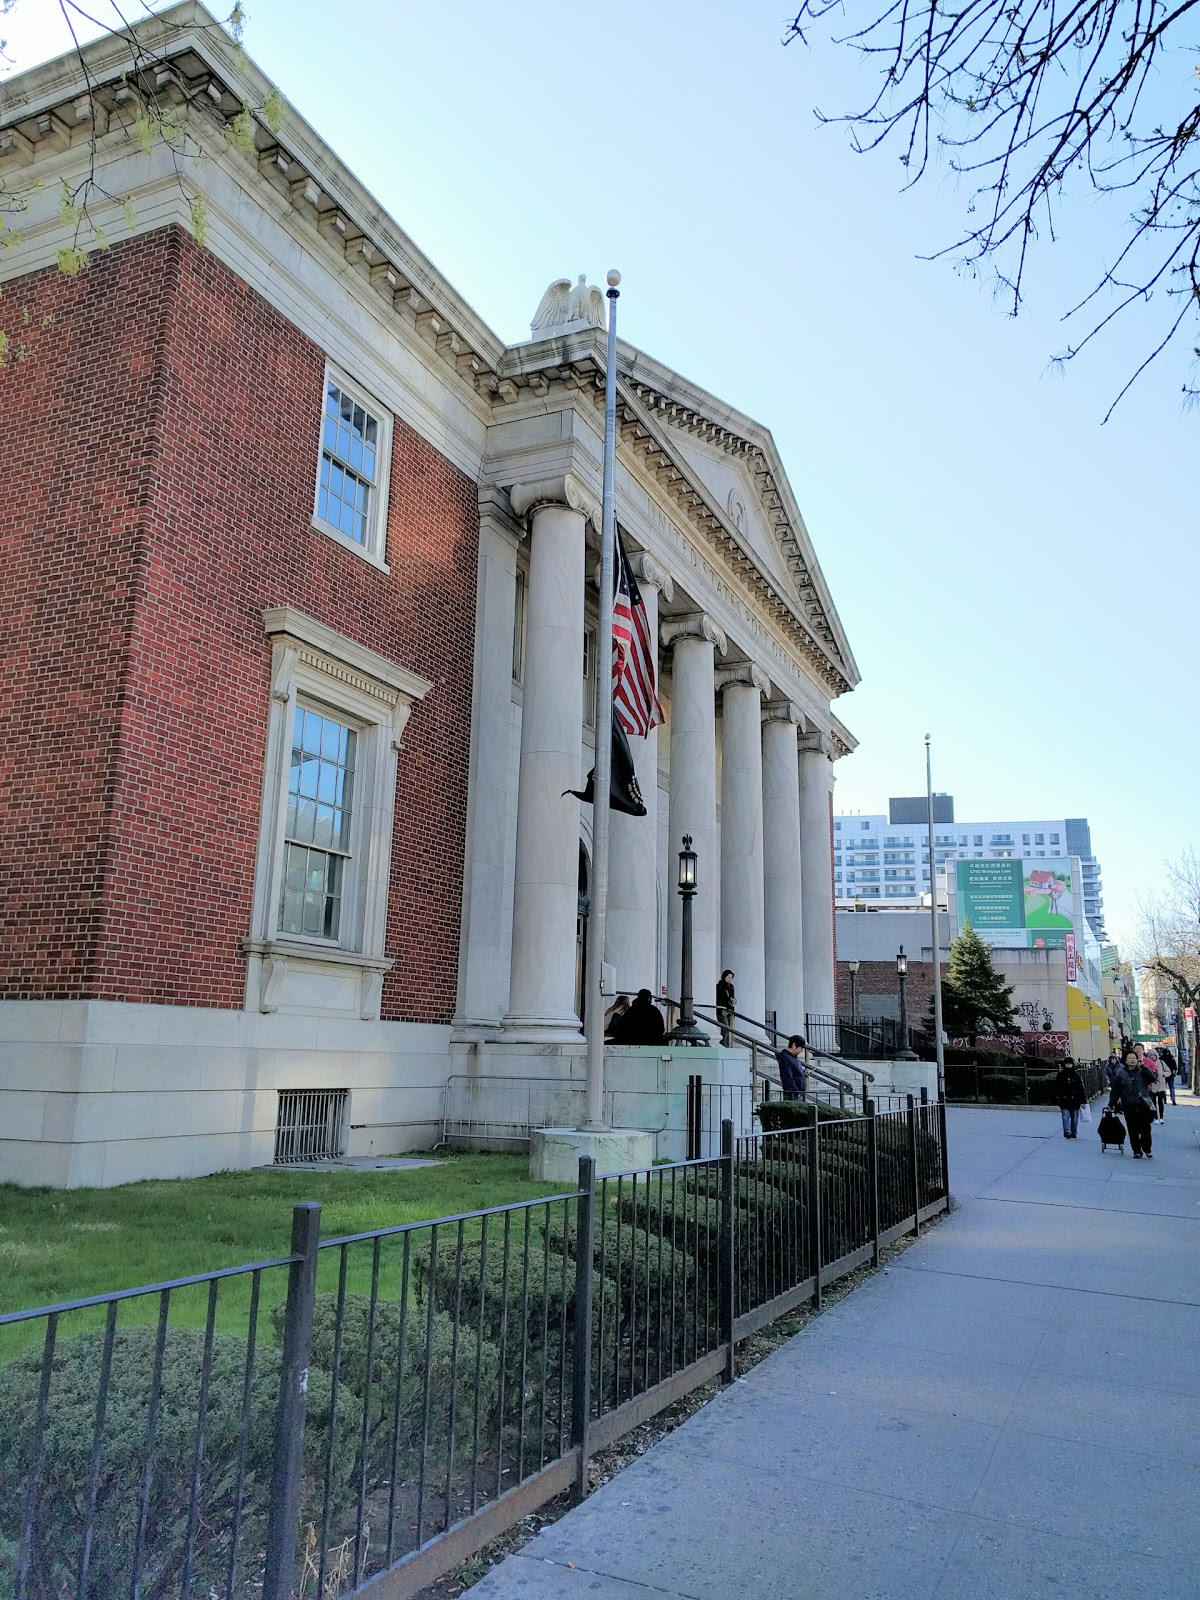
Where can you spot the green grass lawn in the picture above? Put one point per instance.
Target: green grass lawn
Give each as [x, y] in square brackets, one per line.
[66, 1244]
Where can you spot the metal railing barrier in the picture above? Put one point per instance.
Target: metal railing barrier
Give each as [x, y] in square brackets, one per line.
[358, 1416]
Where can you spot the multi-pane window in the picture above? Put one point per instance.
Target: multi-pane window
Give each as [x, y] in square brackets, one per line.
[316, 835]
[350, 439]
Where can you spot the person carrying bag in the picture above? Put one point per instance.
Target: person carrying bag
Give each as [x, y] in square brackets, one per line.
[1131, 1096]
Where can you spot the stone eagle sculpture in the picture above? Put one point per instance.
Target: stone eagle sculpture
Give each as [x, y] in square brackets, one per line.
[561, 304]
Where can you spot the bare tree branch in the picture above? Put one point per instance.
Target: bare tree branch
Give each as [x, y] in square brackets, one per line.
[1033, 100]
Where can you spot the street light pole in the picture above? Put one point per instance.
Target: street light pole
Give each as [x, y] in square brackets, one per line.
[852, 969]
[686, 1032]
[936, 938]
[902, 975]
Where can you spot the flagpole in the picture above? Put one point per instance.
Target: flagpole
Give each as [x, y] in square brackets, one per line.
[937, 955]
[593, 1003]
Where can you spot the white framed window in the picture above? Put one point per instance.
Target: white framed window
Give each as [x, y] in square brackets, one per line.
[337, 713]
[350, 502]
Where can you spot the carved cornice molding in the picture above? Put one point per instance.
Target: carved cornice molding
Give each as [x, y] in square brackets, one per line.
[783, 711]
[567, 491]
[745, 674]
[697, 625]
[188, 73]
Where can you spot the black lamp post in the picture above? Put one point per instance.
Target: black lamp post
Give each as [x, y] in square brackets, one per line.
[852, 969]
[687, 1032]
[902, 975]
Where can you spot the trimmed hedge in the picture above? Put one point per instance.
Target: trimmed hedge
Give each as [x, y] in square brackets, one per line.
[68, 1441]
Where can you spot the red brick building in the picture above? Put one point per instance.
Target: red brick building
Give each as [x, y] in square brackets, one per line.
[295, 562]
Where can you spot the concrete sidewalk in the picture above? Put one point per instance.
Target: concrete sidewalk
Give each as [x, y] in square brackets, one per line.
[1011, 1410]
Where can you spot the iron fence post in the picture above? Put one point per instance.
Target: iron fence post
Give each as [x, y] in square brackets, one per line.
[916, 1175]
[1025, 1075]
[977, 1083]
[945, 1148]
[581, 1378]
[726, 1287]
[873, 1179]
[924, 1095]
[814, 1204]
[283, 1519]
[693, 1117]
[866, 1099]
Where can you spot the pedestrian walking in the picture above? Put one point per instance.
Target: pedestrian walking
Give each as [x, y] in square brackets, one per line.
[1071, 1096]
[792, 1074]
[1131, 1096]
[1158, 1089]
[1110, 1068]
[1166, 1058]
[726, 1005]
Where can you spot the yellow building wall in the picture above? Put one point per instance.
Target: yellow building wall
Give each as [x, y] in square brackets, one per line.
[1087, 1026]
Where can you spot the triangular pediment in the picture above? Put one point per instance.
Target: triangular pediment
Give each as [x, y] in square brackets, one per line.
[733, 490]
[724, 471]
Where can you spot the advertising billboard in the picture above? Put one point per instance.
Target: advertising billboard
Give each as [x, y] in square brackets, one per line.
[1018, 905]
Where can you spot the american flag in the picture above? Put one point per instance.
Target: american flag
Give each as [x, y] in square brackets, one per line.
[635, 688]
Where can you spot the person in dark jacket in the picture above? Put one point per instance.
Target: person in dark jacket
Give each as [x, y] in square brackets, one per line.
[641, 1024]
[1131, 1096]
[792, 1074]
[726, 1004]
[1070, 1096]
[1166, 1060]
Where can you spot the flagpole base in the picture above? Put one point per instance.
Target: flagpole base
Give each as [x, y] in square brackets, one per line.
[554, 1152]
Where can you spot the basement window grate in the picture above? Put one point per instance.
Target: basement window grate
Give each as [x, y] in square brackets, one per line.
[311, 1125]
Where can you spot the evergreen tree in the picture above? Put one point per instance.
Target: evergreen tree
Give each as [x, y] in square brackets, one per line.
[975, 998]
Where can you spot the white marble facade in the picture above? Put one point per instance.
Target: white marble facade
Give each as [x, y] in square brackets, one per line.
[752, 657]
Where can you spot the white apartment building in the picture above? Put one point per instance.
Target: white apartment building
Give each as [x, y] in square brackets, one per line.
[883, 859]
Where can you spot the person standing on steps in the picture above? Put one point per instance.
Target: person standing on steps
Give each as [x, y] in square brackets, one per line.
[1131, 1096]
[792, 1074]
[726, 1005]
[1071, 1096]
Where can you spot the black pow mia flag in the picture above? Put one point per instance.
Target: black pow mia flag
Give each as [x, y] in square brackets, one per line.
[623, 792]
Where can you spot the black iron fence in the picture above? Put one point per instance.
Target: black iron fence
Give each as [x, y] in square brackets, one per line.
[1015, 1084]
[860, 1038]
[388, 1402]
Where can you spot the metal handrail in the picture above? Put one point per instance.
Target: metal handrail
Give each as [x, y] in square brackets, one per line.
[777, 1033]
[755, 1046]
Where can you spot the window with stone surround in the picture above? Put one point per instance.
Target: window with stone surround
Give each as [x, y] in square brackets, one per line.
[337, 714]
[352, 469]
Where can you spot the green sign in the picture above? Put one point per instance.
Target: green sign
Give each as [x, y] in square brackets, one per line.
[991, 893]
[1017, 905]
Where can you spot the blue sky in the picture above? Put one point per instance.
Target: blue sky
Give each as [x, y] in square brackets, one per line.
[1014, 577]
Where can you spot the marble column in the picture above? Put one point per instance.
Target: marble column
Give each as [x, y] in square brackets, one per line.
[631, 938]
[742, 910]
[484, 955]
[693, 804]
[781, 866]
[541, 1002]
[816, 871]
